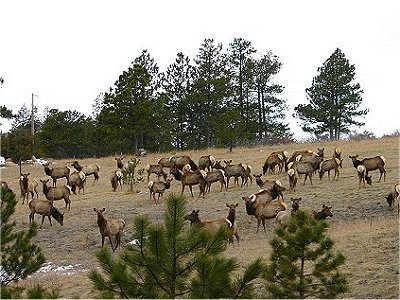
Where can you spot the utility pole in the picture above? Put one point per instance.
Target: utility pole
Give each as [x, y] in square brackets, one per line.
[33, 124]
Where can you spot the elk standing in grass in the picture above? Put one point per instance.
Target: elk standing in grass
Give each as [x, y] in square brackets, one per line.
[262, 207]
[159, 187]
[109, 228]
[328, 165]
[77, 180]
[28, 186]
[189, 178]
[57, 193]
[46, 209]
[57, 172]
[371, 164]
[92, 169]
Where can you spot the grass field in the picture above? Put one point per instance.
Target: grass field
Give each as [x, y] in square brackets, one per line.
[363, 227]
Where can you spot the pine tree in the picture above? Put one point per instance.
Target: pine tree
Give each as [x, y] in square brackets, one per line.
[302, 262]
[171, 261]
[334, 99]
[19, 256]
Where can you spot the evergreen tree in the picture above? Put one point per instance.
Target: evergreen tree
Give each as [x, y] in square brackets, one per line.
[19, 256]
[5, 112]
[170, 261]
[210, 90]
[334, 99]
[302, 262]
[177, 83]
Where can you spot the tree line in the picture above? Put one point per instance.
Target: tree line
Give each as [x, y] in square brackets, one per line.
[219, 99]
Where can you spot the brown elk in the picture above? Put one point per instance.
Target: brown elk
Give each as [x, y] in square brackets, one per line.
[109, 228]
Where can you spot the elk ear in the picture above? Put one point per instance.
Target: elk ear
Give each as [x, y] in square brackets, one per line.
[197, 211]
[95, 209]
[236, 205]
[104, 209]
[227, 204]
[291, 198]
[299, 199]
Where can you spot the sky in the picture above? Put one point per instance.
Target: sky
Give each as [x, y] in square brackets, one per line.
[68, 52]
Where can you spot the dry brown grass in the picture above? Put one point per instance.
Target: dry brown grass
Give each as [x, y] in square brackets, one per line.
[365, 230]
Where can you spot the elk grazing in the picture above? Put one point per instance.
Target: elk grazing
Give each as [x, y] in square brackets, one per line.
[328, 165]
[262, 210]
[57, 172]
[283, 217]
[57, 193]
[272, 161]
[393, 196]
[362, 176]
[109, 228]
[92, 169]
[158, 187]
[46, 209]
[206, 162]
[371, 164]
[116, 177]
[27, 186]
[274, 187]
[323, 214]
[77, 180]
[217, 175]
[155, 169]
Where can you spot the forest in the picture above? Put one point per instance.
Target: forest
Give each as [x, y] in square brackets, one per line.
[221, 98]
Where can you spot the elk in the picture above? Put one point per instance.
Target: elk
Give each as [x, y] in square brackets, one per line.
[371, 164]
[116, 177]
[206, 162]
[157, 187]
[57, 172]
[190, 178]
[57, 193]
[77, 179]
[283, 217]
[156, 169]
[303, 167]
[181, 161]
[46, 209]
[109, 228]
[273, 160]
[92, 169]
[328, 165]
[212, 226]
[262, 207]
[362, 176]
[293, 177]
[27, 186]
[323, 214]
[274, 187]
[217, 175]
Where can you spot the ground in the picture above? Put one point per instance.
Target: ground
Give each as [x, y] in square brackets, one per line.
[363, 226]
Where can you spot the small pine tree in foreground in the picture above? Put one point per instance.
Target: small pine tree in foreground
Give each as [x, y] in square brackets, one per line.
[19, 256]
[173, 261]
[303, 264]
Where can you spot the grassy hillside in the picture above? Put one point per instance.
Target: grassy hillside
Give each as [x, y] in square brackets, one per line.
[365, 230]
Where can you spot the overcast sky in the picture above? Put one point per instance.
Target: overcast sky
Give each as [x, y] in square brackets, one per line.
[67, 52]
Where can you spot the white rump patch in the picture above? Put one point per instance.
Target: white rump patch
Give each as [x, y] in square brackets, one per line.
[253, 197]
[81, 175]
[286, 154]
[147, 167]
[360, 168]
[298, 157]
[290, 165]
[229, 223]
[383, 158]
[150, 184]
[280, 156]
[290, 172]
[212, 159]
[337, 161]
[278, 182]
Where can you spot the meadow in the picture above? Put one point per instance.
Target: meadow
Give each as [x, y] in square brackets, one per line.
[363, 226]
